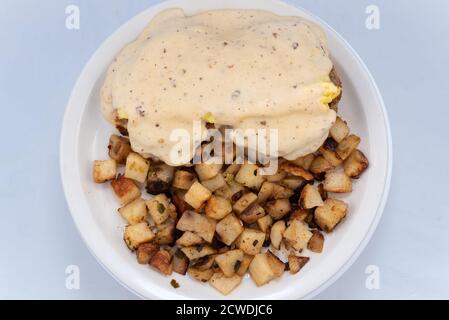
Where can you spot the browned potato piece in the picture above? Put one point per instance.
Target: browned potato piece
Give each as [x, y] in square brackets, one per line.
[189, 239]
[305, 161]
[179, 203]
[119, 148]
[276, 233]
[281, 192]
[136, 167]
[197, 195]
[337, 181]
[197, 252]
[266, 192]
[252, 214]
[251, 241]
[145, 252]
[218, 207]
[310, 197]
[134, 212]
[201, 225]
[265, 267]
[323, 193]
[292, 183]
[249, 176]
[277, 177]
[206, 171]
[296, 263]
[297, 235]
[229, 229]
[229, 262]
[137, 234]
[224, 284]
[316, 243]
[265, 223]
[204, 263]
[159, 179]
[330, 214]
[320, 164]
[244, 264]
[161, 260]
[328, 151]
[183, 179]
[277, 209]
[160, 208]
[200, 275]
[296, 170]
[244, 202]
[180, 262]
[215, 183]
[104, 170]
[300, 214]
[339, 130]
[165, 234]
[349, 144]
[355, 164]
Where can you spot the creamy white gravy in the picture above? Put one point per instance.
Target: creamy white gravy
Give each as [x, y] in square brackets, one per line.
[248, 68]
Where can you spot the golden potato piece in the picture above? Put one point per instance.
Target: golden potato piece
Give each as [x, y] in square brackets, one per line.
[310, 197]
[330, 214]
[337, 181]
[104, 170]
[347, 145]
[295, 263]
[125, 189]
[355, 164]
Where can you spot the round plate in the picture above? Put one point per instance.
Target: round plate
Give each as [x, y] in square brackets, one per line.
[85, 136]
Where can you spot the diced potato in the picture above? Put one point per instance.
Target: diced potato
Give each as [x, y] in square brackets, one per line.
[252, 214]
[137, 234]
[159, 179]
[204, 263]
[125, 189]
[305, 161]
[339, 130]
[296, 170]
[197, 195]
[330, 214]
[265, 267]
[244, 202]
[277, 177]
[136, 167]
[218, 207]
[201, 225]
[104, 170]
[310, 197]
[189, 239]
[119, 148]
[251, 241]
[293, 183]
[349, 144]
[281, 192]
[146, 251]
[206, 171]
[229, 262]
[266, 192]
[320, 165]
[299, 214]
[225, 284]
[215, 183]
[232, 169]
[161, 260]
[337, 181]
[296, 263]
[229, 229]
[328, 151]
[180, 262]
[316, 243]
[323, 193]
[159, 208]
[200, 275]
[265, 223]
[249, 176]
[134, 212]
[276, 234]
[183, 179]
[355, 164]
[197, 252]
[244, 265]
[297, 235]
[166, 233]
[178, 201]
[277, 209]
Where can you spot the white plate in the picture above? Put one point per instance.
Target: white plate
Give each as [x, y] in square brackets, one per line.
[94, 208]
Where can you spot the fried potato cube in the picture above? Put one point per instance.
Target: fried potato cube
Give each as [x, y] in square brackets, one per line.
[180, 262]
[136, 167]
[125, 189]
[316, 243]
[119, 148]
[292, 183]
[229, 229]
[200, 275]
[297, 235]
[206, 171]
[162, 262]
[197, 195]
[328, 151]
[299, 214]
[229, 262]
[244, 202]
[339, 130]
[217, 207]
[337, 181]
[266, 192]
[281, 192]
[296, 170]
[305, 161]
[197, 223]
[137, 234]
[276, 233]
[277, 177]
[320, 165]
[265, 267]
[296, 263]
[197, 252]
[160, 176]
[244, 265]
[265, 223]
[330, 214]
[146, 251]
[355, 164]
[160, 208]
[310, 197]
[251, 241]
[277, 209]
[249, 176]
[189, 239]
[204, 263]
[224, 284]
[134, 212]
[215, 183]
[252, 214]
[166, 233]
[104, 170]
[347, 145]
[183, 179]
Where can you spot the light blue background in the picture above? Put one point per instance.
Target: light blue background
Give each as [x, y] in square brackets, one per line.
[40, 60]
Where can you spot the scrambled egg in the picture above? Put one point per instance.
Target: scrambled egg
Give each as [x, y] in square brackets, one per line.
[331, 91]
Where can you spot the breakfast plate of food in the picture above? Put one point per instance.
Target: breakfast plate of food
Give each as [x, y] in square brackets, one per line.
[225, 149]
